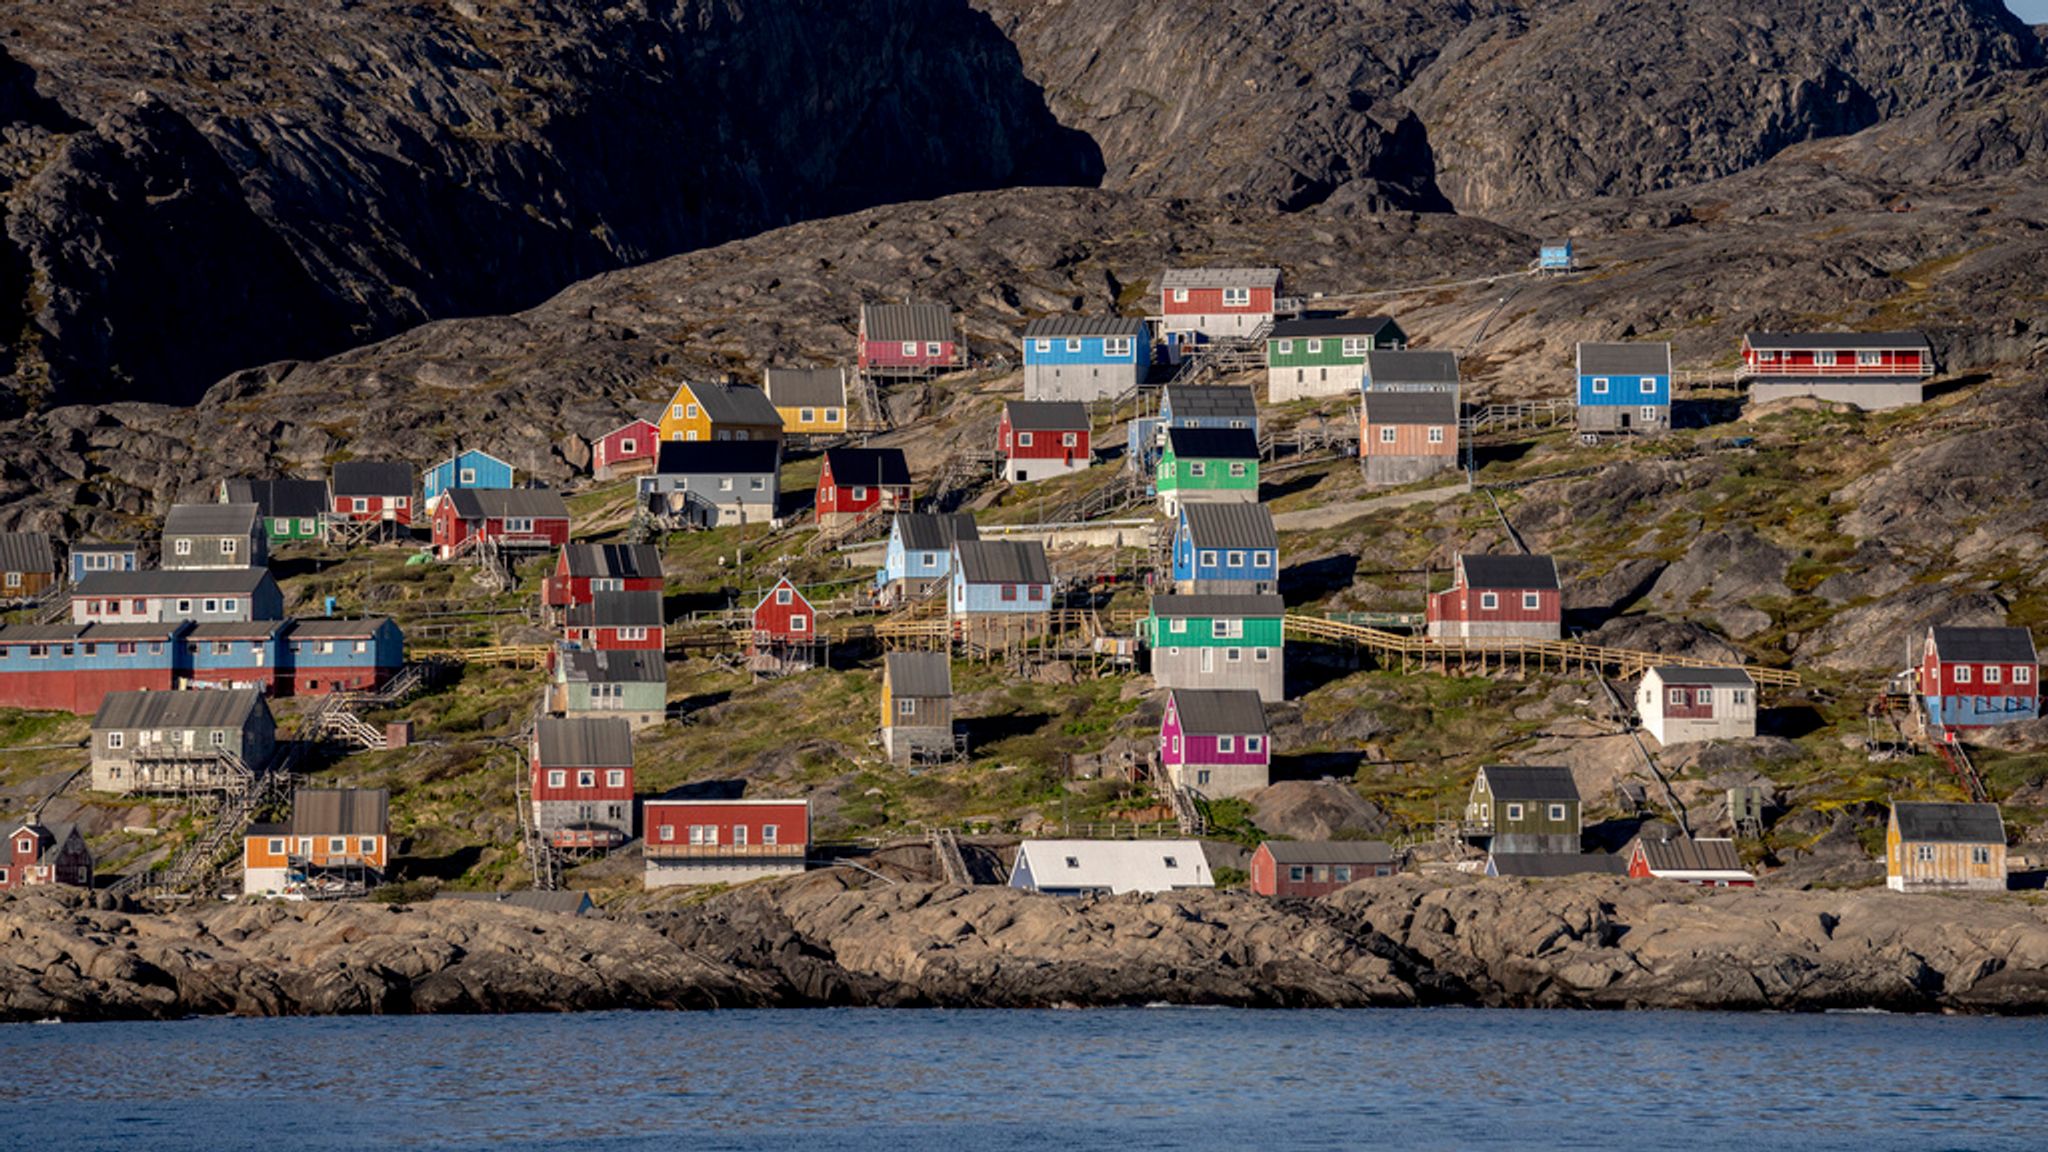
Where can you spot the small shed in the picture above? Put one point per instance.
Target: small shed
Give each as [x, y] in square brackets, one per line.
[28, 565]
[39, 854]
[627, 450]
[785, 636]
[1518, 808]
[1314, 869]
[1937, 847]
[917, 707]
[1710, 863]
[1038, 440]
[1499, 598]
[1683, 705]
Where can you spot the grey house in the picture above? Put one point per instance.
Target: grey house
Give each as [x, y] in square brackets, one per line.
[715, 483]
[1411, 371]
[196, 740]
[214, 536]
[917, 706]
[219, 596]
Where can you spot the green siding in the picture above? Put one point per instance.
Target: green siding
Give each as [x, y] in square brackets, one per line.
[1174, 475]
[1259, 632]
[295, 528]
[1331, 354]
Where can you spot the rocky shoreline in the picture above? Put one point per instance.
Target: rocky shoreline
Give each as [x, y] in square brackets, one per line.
[825, 939]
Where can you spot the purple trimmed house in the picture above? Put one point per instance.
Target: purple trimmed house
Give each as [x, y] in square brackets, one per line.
[1212, 741]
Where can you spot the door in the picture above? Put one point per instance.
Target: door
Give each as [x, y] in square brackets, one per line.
[1208, 660]
[1624, 420]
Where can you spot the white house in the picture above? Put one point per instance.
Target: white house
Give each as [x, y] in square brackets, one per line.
[1681, 705]
[1095, 867]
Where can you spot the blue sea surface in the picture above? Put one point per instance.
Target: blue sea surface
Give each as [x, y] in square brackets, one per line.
[983, 1081]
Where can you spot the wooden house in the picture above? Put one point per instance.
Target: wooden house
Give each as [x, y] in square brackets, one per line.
[1001, 590]
[39, 854]
[1683, 860]
[627, 450]
[1310, 870]
[708, 413]
[785, 634]
[193, 741]
[1199, 305]
[811, 401]
[855, 483]
[912, 341]
[337, 842]
[1499, 598]
[1207, 466]
[1404, 437]
[1038, 440]
[1215, 641]
[91, 557]
[200, 595]
[1624, 388]
[1553, 865]
[617, 622]
[289, 511]
[1684, 705]
[1213, 742]
[582, 782]
[321, 656]
[235, 655]
[72, 667]
[1979, 677]
[583, 570]
[716, 484]
[1110, 867]
[1411, 371]
[469, 468]
[690, 841]
[375, 496]
[509, 520]
[1085, 357]
[919, 555]
[1191, 406]
[213, 536]
[1944, 847]
[1306, 358]
[629, 684]
[1520, 809]
[1870, 370]
[917, 706]
[1227, 548]
[28, 565]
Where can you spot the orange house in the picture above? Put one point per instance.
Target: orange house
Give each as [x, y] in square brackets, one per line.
[337, 843]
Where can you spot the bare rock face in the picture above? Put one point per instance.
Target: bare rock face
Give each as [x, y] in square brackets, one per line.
[1316, 810]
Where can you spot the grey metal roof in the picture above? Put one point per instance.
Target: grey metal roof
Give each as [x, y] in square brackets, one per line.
[235, 630]
[1230, 526]
[618, 610]
[1434, 368]
[1219, 278]
[1633, 359]
[27, 552]
[1212, 443]
[1838, 341]
[341, 812]
[42, 633]
[919, 674]
[1218, 604]
[1003, 562]
[1682, 854]
[718, 458]
[617, 561]
[1530, 782]
[1728, 677]
[210, 520]
[1219, 711]
[373, 478]
[805, 387]
[497, 503]
[1516, 572]
[613, 667]
[922, 322]
[190, 708]
[1411, 407]
[297, 499]
[102, 546]
[1988, 645]
[1210, 402]
[1924, 823]
[176, 582]
[564, 903]
[584, 742]
[1334, 326]
[1047, 416]
[880, 466]
[337, 628]
[1545, 865]
[925, 532]
[1329, 851]
[736, 404]
[97, 633]
[1049, 327]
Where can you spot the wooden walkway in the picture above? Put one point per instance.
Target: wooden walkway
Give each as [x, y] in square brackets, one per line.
[1565, 655]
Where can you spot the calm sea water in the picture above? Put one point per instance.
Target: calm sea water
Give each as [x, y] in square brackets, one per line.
[978, 1081]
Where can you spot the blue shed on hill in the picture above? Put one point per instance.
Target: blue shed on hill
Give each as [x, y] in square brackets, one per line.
[469, 468]
[1556, 256]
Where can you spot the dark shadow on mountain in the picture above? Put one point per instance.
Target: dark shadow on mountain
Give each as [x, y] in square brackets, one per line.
[708, 790]
[983, 731]
[1317, 765]
[451, 866]
[1315, 579]
[1790, 721]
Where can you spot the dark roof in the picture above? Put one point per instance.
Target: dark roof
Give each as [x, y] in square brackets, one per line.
[341, 812]
[925, 532]
[1219, 278]
[1219, 711]
[1530, 782]
[584, 742]
[1538, 572]
[805, 387]
[735, 404]
[566, 903]
[1210, 401]
[1411, 408]
[175, 582]
[1218, 604]
[268, 828]
[921, 322]
[918, 673]
[1230, 525]
[1003, 562]
[285, 497]
[102, 632]
[190, 708]
[1541, 865]
[620, 561]
[496, 503]
[338, 628]
[1991, 645]
[43, 633]
[614, 667]
[116, 546]
[1329, 851]
[1047, 416]
[1212, 443]
[1801, 341]
[718, 458]
[1336, 326]
[1949, 823]
[618, 610]
[373, 478]
[27, 552]
[235, 630]
[1637, 359]
[210, 520]
[1682, 854]
[1384, 368]
[1054, 326]
[1732, 677]
[880, 466]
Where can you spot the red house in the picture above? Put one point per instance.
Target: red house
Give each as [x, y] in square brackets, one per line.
[584, 570]
[723, 841]
[583, 782]
[1040, 439]
[853, 482]
[784, 617]
[617, 622]
[1835, 355]
[1499, 598]
[1313, 869]
[1979, 677]
[39, 854]
[514, 519]
[372, 492]
[626, 450]
[1701, 863]
[1216, 303]
[909, 340]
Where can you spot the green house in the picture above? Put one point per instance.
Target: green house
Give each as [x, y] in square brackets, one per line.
[290, 511]
[1207, 465]
[631, 685]
[1325, 357]
[1525, 809]
[1217, 641]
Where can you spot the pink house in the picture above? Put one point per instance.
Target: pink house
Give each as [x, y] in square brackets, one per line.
[1212, 741]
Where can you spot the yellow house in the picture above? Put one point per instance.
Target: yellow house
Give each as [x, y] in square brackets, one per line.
[719, 412]
[811, 401]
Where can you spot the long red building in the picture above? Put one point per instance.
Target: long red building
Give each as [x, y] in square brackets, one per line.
[723, 841]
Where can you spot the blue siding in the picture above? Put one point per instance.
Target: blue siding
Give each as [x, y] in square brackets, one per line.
[1188, 561]
[981, 599]
[1626, 391]
[1981, 711]
[900, 563]
[116, 561]
[1554, 255]
[446, 476]
[100, 656]
[257, 655]
[1091, 351]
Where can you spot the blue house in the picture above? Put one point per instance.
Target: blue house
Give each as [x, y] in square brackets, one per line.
[247, 654]
[1084, 357]
[1191, 406]
[1000, 588]
[1226, 548]
[1556, 256]
[1624, 388]
[329, 655]
[919, 557]
[466, 469]
[92, 556]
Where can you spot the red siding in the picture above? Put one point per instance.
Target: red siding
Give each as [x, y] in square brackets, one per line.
[772, 620]
[400, 508]
[610, 451]
[78, 692]
[889, 354]
[1045, 445]
[791, 818]
[1692, 709]
[611, 639]
[1835, 362]
[450, 530]
[1270, 878]
[321, 681]
[836, 498]
[1209, 301]
[1460, 604]
[596, 792]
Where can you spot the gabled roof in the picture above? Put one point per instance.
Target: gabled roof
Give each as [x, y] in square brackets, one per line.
[1722, 677]
[1411, 367]
[1329, 851]
[103, 546]
[341, 812]
[735, 404]
[925, 532]
[1047, 416]
[1339, 326]
[1634, 359]
[1117, 865]
[1230, 526]
[297, 499]
[210, 520]
[497, 503]
[921, 322]
[1213, 401]
[1837, 341]
[27, 552]
[1544, 865]
[614, 561]
[373, 478]
[1530, 782]
[175, 582]
[1047, 327]
[1515, 572]
[584, 742]
[1219, 278]
[103, 633]
[1923, 823]
[1003, 562]
[1217, 604]
[336, 628]
[1682, 854]
[1212, 443]
[918, 674]
[190, 708]
[1411, 407]
[805, 387]
[618, 610]
[1219, 711]
[458, 457]
[614, 667]
[884, 467]
[1985, 645]
[796, 594]
[717, 458]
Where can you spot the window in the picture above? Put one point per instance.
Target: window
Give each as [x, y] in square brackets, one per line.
[1294, 872]
[860, 492]
[1387, 435]
[1198, 468]
[1070, 439]
[1514, 812]
[1237, 471]
[361, 504]
[739, 835]
[2022, 674]
[1556, 812]
[1314, 346]
[116, 739]
[1980, 855]
[1649, 414]
[1170, 862]
[1254, 743]
[757, 484]
[586, 778]
[725, 483]
[1962, 673]
[676, 412]
[1208, 558]
[704, 835]
[1531, 601]
[931, 349]
[1678, 697]
[182, 548]
[367, 845]
[1286, 348]
[140, 606]
[1233, 655]
[1226, 629]
[799, 623]
[1226, 743]
[784, 596]
[692, 410]
[668, 833]
[1180, 295]
[1073, 345]
[231, 604]
[1341, 873]
[631, 634]
[1739, 696]
[1488, 601]
[1177, 626]
[1023, 439]
[1436, 435]
[1870, 359]
[615, 778]
[277, 528]
[1261, 655]
[831, 415]
[1041, 345]
[906, 707]
[468, 476]
[807, 415]
[1009, 592]
[1649, 385]
[337, 845]
[770, 833]
[211, 605]
[627, 447]
[1993, 674]
[557, 778]
[1235, 560]
[1237, 297]
[1262, 559]
[275, 846]
[1116, 347]
[1599, 385]
[1924, 853]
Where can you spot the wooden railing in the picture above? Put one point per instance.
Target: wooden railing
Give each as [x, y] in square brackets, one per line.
[1566, 654]
[1836, 371]
[656, 850]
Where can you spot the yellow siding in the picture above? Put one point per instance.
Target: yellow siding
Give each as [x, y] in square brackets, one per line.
[793, 422]
[692, 424]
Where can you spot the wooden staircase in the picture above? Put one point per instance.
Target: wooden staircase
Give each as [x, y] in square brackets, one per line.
[951, 862]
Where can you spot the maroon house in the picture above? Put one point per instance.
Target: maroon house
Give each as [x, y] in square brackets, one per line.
[909, 340]
[1499, 598]
[618, 622]
[626, 450]
[523, 519]
[784, 617]
[583, 782]
[1313, 869]
[583, 570]
[39, 854]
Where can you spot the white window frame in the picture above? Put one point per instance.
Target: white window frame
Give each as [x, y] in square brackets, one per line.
[1226, 744]
[1649, 386]
[1315, 347]
[1436, 434]
[1388, 435]
[1073, 345]
[1023, 439]
[1070, 439]
[906, 706]
[1514, 812]
[1599, 385]
[1237, 470]
[558, 778]
[181, 547]
[465, 476]
[1285, 347]
[1254, 743]
[1237, 297]
[1262, 559]
[1357, 345]
[1962, 674]
[615, 778]
[1531, 601]
[1993, 674]
[1557, 812]
[117, 739]
[931, 348]
[2022, 674]
[1041, 346]
[1676, 697]
[1180, 295]
[1489, 602]
[770, 834]
[1116, 347]
[1649, 414]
